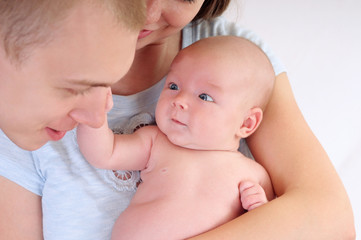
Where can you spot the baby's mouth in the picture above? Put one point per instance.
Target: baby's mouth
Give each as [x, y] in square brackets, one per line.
[178, 122]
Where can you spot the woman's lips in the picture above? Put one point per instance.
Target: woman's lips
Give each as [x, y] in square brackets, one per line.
[144, 33]
[55, 135]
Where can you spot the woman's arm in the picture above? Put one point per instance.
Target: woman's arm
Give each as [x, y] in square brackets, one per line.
[312, 202]
[20, 212]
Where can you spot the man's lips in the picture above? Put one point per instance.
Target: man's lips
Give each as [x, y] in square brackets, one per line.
[55, 135]
[144, 33]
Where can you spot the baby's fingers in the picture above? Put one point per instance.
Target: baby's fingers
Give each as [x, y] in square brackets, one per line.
[252, 195]
[109, 101]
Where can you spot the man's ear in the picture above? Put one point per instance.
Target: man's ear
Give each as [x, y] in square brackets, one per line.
[250, 122]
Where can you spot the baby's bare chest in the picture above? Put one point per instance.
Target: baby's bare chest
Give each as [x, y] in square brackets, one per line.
[188, 175]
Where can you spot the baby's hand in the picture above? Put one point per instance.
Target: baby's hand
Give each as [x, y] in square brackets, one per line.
[252, 195]
[109, 101]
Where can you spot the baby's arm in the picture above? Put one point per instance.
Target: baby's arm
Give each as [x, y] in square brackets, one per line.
[103, 149]
[96, 144]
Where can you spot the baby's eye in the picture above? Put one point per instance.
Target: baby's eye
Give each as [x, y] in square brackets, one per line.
[173, 86]
[206, 97]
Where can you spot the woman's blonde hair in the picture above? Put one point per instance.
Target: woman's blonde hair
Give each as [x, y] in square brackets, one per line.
[26, 24]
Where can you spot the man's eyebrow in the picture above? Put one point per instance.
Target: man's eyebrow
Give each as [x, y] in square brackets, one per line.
[86, 82]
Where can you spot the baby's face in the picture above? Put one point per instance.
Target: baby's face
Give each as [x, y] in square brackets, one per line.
[199, 107]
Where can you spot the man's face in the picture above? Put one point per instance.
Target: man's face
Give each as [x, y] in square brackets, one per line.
[66, 81]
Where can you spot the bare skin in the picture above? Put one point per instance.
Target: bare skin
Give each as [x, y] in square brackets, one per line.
[20, 219]
[178, 182]
[299, 182]
[290, 144]
[291, 148]
[94, 59]
[193, 177]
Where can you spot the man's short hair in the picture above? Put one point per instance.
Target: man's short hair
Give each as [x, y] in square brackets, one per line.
[26, 24]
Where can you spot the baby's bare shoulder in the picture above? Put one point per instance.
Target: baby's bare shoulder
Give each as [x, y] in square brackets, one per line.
[248, 168]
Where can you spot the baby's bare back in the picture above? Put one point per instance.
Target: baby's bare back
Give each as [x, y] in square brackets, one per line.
[185, 192]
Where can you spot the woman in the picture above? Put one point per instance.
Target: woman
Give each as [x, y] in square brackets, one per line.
[80, 202]
[302, 174]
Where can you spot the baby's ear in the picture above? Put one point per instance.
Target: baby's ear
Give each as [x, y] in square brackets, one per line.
[250, 122]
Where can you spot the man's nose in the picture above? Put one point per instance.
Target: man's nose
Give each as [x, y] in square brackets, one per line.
[154, 11]
[92, 108]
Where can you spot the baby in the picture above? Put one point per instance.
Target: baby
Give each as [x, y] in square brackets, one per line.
[193, 177]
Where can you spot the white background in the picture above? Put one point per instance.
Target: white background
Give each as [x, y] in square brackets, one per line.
[319, 41]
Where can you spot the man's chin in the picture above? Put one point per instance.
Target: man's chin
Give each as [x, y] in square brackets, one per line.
[30, 143]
